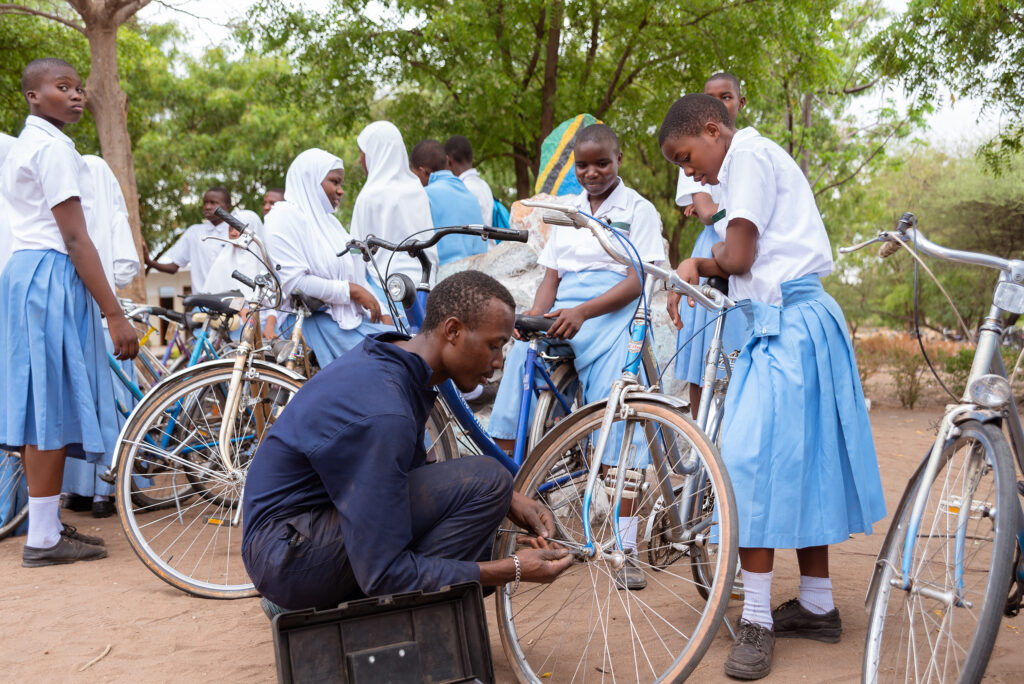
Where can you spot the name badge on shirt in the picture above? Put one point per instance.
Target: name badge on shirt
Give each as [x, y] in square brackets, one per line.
[619, 225]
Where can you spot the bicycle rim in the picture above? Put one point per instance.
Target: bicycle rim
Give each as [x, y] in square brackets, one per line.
[582, 627]
[12, 482]
[946, 633]
[192, 540]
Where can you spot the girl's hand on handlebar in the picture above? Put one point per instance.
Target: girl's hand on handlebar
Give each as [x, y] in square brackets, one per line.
[673, 309]
[687, 271]
[567, 323]
[361, 296]
[529, 312]
[124, 337]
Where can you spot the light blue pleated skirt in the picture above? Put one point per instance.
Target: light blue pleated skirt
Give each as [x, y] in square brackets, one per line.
[84, 478]
[600, 349]
[328, 340]
[55, 388]
[796, 439]
[693, 341]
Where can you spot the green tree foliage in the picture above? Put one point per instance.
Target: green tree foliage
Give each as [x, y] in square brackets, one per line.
[973, 47]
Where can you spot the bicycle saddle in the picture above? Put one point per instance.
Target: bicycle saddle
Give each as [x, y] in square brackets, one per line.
[312, 304]
[229, 302]
[531, 327]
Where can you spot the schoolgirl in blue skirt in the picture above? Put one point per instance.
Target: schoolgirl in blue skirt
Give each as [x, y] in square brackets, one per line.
[304, 241]
[591, 297]
[696, 325]
[796, 438]
[56, 397]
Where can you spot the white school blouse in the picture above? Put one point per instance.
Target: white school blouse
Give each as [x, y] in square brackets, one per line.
[42, 170]
[481, 190]
[761, 183]
[108, 224]
[686, 188]
[571, 250]
[197, 254]
[6, 143]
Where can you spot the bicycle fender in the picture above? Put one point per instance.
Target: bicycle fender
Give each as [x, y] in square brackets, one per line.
[979, 414]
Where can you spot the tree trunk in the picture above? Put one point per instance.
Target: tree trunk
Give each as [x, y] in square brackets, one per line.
[524, 190]
[109, 106]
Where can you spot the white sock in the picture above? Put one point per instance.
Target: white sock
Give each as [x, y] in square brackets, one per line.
[757, 598]
[816, 594]
[43, 521]
[627, 529]
[100, 497]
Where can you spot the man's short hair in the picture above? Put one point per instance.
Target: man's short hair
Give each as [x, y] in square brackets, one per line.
[464, 296]
[458, 149]
[430, 155]
[688, 114]
[726, 76]
[37, 69]
[224, 192]
[600, 134]
[279, 191]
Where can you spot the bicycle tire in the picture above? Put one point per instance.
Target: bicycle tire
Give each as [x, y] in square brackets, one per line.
[548, 411]
[12, 475]
[536, 622]
[912, 637]
[441, 442]
[193, 545]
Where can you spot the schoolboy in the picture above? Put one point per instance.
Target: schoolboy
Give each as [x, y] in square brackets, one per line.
[451, 202]
[592, 298]
[459, 155]
[796, 437]
[270, 198]
[191, 250]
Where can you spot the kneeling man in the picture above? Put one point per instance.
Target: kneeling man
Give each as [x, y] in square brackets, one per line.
[340, 502]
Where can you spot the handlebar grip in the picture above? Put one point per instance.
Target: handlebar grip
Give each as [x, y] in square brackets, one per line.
[557, 218]
[244, 279]
[508, 234]
[720, 284]
[229, 219]
[888, 249]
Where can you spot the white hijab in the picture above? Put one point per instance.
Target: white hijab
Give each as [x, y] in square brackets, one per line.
[305, 237]
[392, 204]
[107, 220]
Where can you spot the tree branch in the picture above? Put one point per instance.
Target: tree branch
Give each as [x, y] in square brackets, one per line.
[9, 8]
[874, 153]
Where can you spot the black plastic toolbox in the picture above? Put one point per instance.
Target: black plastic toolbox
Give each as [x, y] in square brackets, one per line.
[438, 637]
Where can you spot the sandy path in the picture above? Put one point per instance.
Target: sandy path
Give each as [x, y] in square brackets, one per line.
[60, 618]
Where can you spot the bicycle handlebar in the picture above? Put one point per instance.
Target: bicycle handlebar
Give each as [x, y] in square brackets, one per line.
[705, 295]
[907, 231]
[412, 246]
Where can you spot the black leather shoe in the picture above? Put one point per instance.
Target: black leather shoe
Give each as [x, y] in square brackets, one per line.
[63, 552]
[71, 532]
[103, 509]
[77, 503]
[751, 654]
[794, 621]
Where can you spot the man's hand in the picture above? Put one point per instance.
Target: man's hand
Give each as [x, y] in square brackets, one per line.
[532, 516]
[567, 323]
[543, 565]
[673, 309]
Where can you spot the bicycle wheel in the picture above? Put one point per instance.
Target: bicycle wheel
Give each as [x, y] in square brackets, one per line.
[582, 626]
[441, 441]
[13, 493]
[548, 411]
[195, 544]
[943, 628]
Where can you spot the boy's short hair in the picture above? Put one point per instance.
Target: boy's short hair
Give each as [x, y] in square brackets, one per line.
[429, 154]
[37, 69]
[688, 114]
[224, 192]
[726, 76]
[598, 133]
[463, 296]
[279, 191]
[458, 149]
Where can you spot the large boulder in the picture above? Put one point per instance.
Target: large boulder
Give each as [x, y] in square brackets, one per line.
[515, 265]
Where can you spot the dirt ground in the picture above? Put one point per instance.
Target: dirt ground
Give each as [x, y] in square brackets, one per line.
[61, 618]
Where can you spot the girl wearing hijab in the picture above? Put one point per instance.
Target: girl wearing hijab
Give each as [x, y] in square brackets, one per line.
[305, 238]
[392, 204]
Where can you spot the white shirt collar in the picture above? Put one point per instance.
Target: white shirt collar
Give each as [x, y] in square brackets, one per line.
[471, 171]
[617, 199]
[45, 126]
[738, 141]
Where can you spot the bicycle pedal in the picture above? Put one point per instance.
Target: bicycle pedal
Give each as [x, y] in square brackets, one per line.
[220, 522]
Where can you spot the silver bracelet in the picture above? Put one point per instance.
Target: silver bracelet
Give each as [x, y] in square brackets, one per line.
[515, 586]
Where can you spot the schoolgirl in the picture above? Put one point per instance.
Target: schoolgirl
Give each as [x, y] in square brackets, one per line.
[305, 239]
[55, 390]
[796, 437]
